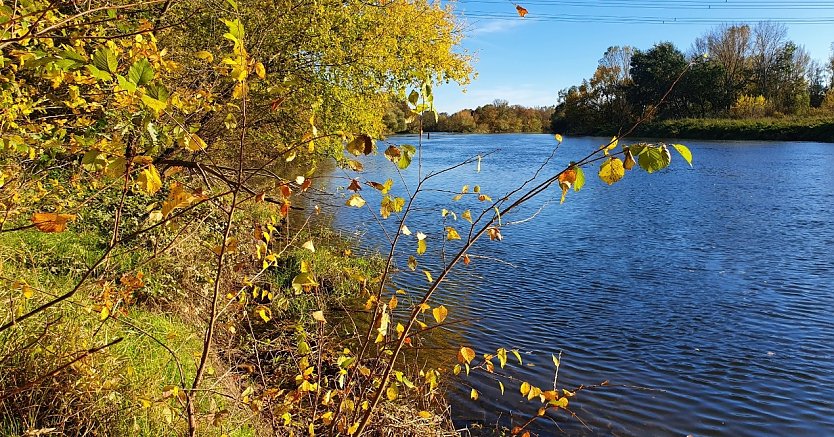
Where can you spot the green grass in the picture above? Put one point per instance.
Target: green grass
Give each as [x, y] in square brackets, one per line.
[812, 128]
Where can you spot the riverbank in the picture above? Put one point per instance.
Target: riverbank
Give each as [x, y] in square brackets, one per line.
[149, 306]
[820, 129]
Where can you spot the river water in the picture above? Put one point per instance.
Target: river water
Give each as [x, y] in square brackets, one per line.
[703, 295]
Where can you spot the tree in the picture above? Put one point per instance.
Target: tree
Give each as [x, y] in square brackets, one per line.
[729, 45]
[652, 73]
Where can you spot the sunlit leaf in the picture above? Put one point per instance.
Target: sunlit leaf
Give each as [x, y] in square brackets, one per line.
[473, 394]
[611, 170]
[558, 137]
[428, 276]
[264, 312]
[440, 313]
[525, 388]
[149, 180]
[392, 392]
[580, 179]
[404, 229]
[501, 386]
[452, 234]
[424, 414]
[466, 355]
[517, 356]
[502, 357]
[319, 316]
[51, 222]
[684, 152]
[355, 201]
[309, 246]
[654, 159]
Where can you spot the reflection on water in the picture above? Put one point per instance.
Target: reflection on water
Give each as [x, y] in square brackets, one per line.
[703, 295]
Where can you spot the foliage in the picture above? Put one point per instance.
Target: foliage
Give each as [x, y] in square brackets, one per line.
[497, 117]
[200, 128]
[726, 64]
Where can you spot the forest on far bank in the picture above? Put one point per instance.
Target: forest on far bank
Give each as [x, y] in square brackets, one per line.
[739, 72]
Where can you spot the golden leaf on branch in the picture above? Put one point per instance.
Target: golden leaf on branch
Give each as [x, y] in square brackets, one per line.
[51, 222]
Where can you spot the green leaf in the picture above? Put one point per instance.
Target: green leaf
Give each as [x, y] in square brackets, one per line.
[611, 171]
[304, 279]
[580, 179]
[413, 97]
[158, 92]
[140, 72]
[94, 161]
[125, 84]
[99, 74]
[156, 105]
[406, 155]
[104, 59]
[653, 159]
[684, 152]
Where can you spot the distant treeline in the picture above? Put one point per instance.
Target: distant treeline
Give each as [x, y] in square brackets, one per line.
[497, 117]
[735, 72]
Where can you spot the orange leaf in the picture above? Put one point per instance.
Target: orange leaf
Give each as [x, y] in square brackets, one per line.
[521, 11]
[51, 221]
[568, 176]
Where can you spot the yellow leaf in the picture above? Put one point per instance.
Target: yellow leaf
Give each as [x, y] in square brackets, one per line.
[502, 357]
[204, 55]
[149, 180]
[264, 312]
[467, 215]
[356, 201]
[555, 360]
[51, 222]
[428, 276]
[392, 392]
[28, 292]
[405, 230]
[309, 246]
[104, 314]
[474, 394]
[319, 316]
[260, 70]
[501, 385]
[525, 388]
[440, 313]
[193, 142]
[421, 247]
[517, 355]
[452, 234]
[424, 414]
[466, 355]
[558, 137]
[611, 145]
[612, 171]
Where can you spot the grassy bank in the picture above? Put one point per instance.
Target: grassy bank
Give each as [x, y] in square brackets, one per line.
[115, 358]
[819, 129]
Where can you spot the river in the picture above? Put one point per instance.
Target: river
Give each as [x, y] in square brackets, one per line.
[703, 295]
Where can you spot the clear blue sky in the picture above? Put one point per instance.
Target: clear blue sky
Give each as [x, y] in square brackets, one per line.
[528, 60]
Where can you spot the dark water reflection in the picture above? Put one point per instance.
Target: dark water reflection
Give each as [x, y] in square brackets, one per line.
[704, 295]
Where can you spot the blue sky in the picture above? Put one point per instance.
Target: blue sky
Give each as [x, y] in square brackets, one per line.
[528, 60]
